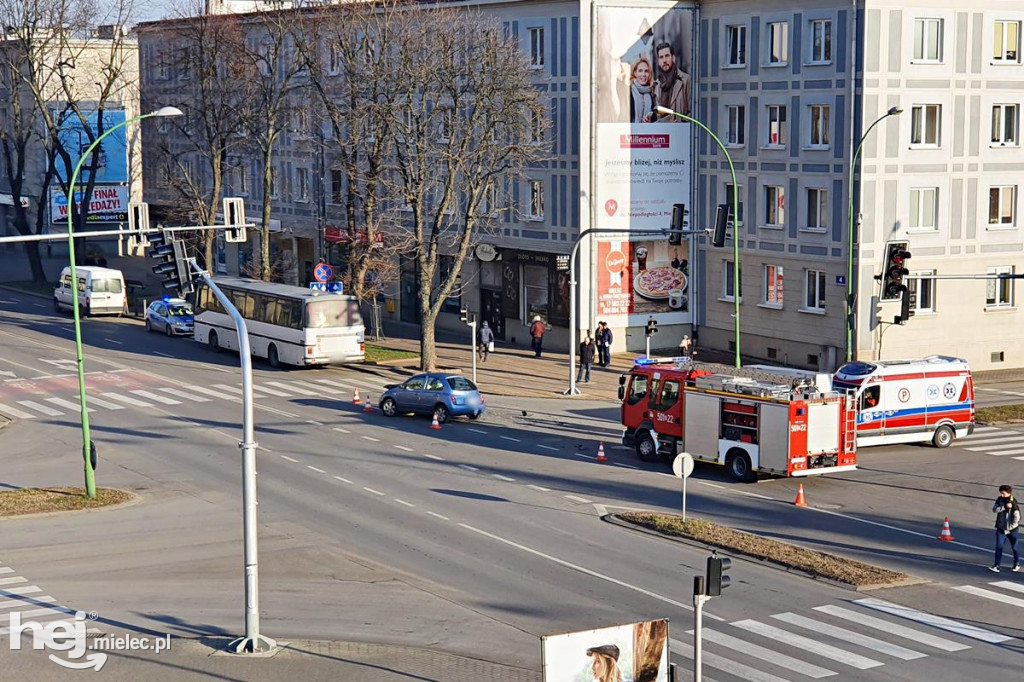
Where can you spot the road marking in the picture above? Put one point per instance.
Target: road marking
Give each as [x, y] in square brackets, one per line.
[574, 498]
[581, 455]
[6, 569]
[935, 621]
[314, 422]
[67, 404]
[976, 445]
[13, 603]
[630, 466]
[850, 636]
[468, 468]
[186, 396]
[270, 391]
[371, 439]
[1006, 584]
[741, 671]
[289, 459]
[503, 478]
[344, 480]
[106, 404]
[407, 504]
[163, 355]
[892, 628]
[754, 495]
[39, 305]
[17, 414]
[68, 329]
[155, 397]
[215, 394]
[371, 490]
[319, 471]
[335, 384]
[537, 487]
[19, 591]
[126, 399]
[40, 408]
[475, 430]
[515, 440]
[402, 447]
[113, 341]
[445, 518]
[338, 428]
[586, 571]
[294, 388]
[986, 550]
[807, 644]
[53, 611]
[548, 447]
[1004, 453]
[12, 581]
[233, 390]
[440, 459]
[988, 594]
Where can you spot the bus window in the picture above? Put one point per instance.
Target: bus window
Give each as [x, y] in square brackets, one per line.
[289, 314]
[637, 389]
[869, 398]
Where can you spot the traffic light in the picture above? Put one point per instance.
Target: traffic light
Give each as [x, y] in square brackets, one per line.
[906, 303]
[721, 221]
[173, 268]
[464, 315]
[896, 257]
[717, 580]
[652, 326]
[675, 236]
[234, 219]
[138, 224]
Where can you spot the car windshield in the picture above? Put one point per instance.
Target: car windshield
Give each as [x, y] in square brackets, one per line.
[179, 309]
[321, 314]
[110, 286]
[461, 384]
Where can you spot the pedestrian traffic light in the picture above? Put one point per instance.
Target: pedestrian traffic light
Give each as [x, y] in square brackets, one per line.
[717, 580]
[173, 267]
[721, 221]
[652, 326]
[234, 219]
[896, 257]
[906, 303]
[675, 236]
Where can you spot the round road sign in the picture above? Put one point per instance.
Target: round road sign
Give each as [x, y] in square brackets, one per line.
[323, 272]
[682, 465]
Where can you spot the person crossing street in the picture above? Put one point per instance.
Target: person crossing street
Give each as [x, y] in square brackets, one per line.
[586, 358]
[537, 330]
[1007, 513]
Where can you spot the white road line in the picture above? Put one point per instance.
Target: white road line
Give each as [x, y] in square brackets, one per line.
[1006, 584]
[40, 408]
[335, 384]
[984, 437]
[407, 504]
[998, 440]
[1004, 453]
[754, 495]
[581, 500]
[155, 397]
[807, 644]
[440, 459]
[935, 621]
[939, 643]
[215, 394]
[17, 414]
[850, 517]
[44, 612]
[113, 341]
[402, 447]
[344, 480]
[371, 439]
[269, 391]
[475, 430]
[371, 490]
[289, 459]
[68, 405]
[582, 456]
[341, 430]
[630, 466]
[586, 571]
[319, 471]
[6, 569]
[186, 396]
[314, 422]
[72, 330]
[989, 594]
[233, 390]
[163, 355]
[13, 603]
[503, 478]
[468, 468]
[548, 447]
[106, 404]
[11, 581]
[126, 399]
[444, 518]
[844, 635]
[744, 672]
[19, 591]
[294, 388]
[39, 305]
[514, 440]
[540, 488]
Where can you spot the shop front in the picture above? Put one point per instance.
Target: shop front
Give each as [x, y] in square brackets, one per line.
[520, 286]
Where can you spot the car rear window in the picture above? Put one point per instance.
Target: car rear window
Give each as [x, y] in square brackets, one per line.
[110, 286]
[461, 384]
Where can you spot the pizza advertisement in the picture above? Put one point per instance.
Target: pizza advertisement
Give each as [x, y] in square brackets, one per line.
[642, 278]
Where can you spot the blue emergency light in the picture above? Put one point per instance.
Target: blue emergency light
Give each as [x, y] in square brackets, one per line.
[643, 361]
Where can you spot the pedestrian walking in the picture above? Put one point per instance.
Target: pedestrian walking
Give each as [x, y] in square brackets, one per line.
[685, 346]
[1007, 513]
[604, 332]
[587, 353]
[485, 341]
[537, 330]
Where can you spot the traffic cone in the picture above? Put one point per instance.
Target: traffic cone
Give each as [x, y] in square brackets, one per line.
[600, 452]
[800, 501]
[435, 424]
[355, 397]
[368, 404]
[945, 535]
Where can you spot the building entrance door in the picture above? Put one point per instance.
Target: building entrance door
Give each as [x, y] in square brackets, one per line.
[491, 312]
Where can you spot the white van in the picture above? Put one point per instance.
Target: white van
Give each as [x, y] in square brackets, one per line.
[100, 291]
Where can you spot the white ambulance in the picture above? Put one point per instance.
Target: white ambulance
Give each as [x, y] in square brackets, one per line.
[910, 401]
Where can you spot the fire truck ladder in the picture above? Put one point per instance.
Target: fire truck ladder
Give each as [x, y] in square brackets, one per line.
[850, 429]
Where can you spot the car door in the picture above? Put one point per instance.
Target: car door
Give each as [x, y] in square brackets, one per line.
[408, 397]
[160, 316]
[433, 393]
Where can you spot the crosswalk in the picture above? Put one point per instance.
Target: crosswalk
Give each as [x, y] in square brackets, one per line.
[18, 595]
[992, 440]
[837, 641]
[17, 403]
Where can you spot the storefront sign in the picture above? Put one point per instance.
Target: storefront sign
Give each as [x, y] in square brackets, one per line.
[486, 253]
[107, 204]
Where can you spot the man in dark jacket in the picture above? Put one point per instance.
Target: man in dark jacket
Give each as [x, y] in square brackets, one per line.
[586, 358]
[604, 344]
[1007, 524]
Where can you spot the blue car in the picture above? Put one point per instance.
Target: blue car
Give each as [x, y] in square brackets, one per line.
[172, 316]
[446, 395]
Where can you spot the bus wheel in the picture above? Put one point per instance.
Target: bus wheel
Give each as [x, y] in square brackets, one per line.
[943, 437]
[213, 343]
[738, 464]
[646, 450]
[272, 357]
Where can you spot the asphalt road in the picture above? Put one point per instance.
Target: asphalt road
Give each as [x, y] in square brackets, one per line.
[476, 539]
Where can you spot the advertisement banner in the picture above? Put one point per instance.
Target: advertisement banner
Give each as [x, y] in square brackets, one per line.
[641, 278]
[637, 652]
[108, 204]
[112, 152]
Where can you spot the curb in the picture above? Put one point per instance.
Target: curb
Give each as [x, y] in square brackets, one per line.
[135, 499]
[911, 580]
[25, 291]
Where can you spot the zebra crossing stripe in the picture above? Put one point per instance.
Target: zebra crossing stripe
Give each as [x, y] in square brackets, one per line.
[744, 672]
[850, 636]
[993, 439]
[56, 610]
[126, 399]
[17, 414]
[989, 594]
[807, 644]
[215, 394]
[892, 628]
[6, 569]
[105, 404]
[335, 384]
[767, 655]
[234, 390]
[186, 396]
[19, 591]
[935, 621]
[11, 603]
[11, 581]
[49, 411]
[67, 404]
[156, 398]
[269, 391]
[293, 387]
[1007, 585]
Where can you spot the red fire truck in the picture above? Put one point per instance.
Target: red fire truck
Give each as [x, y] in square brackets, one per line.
[749, 421]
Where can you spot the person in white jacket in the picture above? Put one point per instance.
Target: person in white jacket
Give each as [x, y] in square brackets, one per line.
[1007, 513]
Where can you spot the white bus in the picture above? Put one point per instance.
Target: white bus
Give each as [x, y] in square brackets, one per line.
[287, 324]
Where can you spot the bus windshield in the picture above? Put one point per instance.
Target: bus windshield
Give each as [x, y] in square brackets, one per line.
[322, 314]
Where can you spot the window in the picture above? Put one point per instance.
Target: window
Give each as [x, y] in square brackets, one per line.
[727, 199]
[778, 42]
[817, 209]
[535, 290]
[637, 389]
[1006, 42]
[922, 292]
[669, 395]
[273, 183]
[333, 59]
[242, 174]
[736, 41]
[737, 115]
[1001, 205]
[773, 276]
[999, 292]
[924, 124]
[414, 384]
[536, 127]
[489, 199]
[821, 41]
[302, 184]
[536, 199]
[774, 205]
[776, 125]
[928, 40]
[727, 281]
[434, 384]
[337, 186]
[1006, 124]
[537, 47]
[444, 125]
[923, 203]
[814, 291]
[869, 398]
[820, 115]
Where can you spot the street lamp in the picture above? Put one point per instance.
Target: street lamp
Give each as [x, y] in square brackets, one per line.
[894, 111]
[90, 474]
[665, 111]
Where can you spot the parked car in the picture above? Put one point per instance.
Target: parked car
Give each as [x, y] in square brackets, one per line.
[100, 291]
[173, 316]
[446, 395]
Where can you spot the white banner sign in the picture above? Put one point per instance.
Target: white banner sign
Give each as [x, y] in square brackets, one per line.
[107, 204]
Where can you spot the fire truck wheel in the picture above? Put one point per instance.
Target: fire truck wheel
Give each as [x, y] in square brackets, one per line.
[943, 437]
[646, 450]
[738, 464]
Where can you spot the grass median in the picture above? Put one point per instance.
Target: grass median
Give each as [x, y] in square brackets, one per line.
[57, 499]
[375, 353]
[818, 564]
[1001, 414]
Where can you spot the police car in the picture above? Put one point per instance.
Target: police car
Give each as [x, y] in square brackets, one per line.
[173, 316]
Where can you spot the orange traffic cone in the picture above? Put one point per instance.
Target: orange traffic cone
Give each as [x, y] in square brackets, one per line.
[600, 452]
[368, 404]
[800, 501]
[945, 535]
[435, 424]
[355, 397]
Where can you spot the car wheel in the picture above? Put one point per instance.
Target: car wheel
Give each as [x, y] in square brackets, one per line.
[442, 413]
[943, 437]
[739, 466]
[476, 415]
[646, 450]
[149, 325]
[272, 357]
[212, 342]
[167, 329]
[388, 407]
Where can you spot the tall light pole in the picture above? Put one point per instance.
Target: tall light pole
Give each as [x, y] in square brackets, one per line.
[894, 111]
[90, 472]
[665, 111]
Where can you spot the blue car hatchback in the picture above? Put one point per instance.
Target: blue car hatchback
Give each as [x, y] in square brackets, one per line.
[446, 395]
